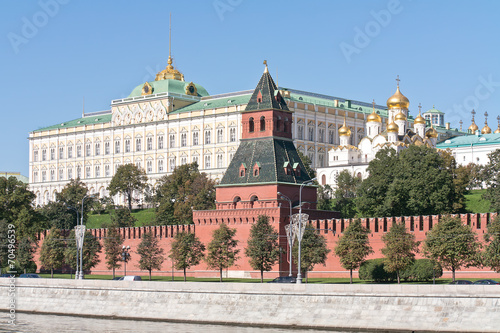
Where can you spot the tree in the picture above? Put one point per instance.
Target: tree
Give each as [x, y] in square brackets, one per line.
[491, 254]
[91, 250]
[113, 248]
[52, 252]
[71, 197]
[491, 177]
[325, 194]
[57, 215]
[307, 164]
[150, 252]
[353, 246]
[186, 251]
[25, 251]
[122, 218]
[222, 252]
[399, 251]
[127, 179]
[313, 250]
[262, 246]
[345, 193]
[452, 244]
[418, 181]
[185, 190]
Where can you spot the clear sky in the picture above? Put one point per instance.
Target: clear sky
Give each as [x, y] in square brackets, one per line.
[54, 53]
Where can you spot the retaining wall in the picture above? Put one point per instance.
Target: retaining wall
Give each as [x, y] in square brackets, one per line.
[402, 308]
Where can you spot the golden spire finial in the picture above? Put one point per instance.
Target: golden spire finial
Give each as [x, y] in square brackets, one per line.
[498, 128]
[486, 129]
[266, 70]
[373, 105]
[169, 73]
[473, 127]
[419, 108]
[461, 123]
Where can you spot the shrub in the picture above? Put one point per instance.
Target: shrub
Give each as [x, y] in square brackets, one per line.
[373, 270]
[422, 270]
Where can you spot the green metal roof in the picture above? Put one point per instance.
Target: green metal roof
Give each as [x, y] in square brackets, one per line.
[433, 110]
[467, 140]
[214, 103]
[173, 86]
[89, 120]
[265, 96]
[271, 154]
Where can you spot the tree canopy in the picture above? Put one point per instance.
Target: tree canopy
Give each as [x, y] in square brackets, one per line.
[313, 250]
[151, 253]
[113, 247]
[353, 246]
[127, 179]
[185, 190]
[491, 176]
[262, 247]
[417, 181]
[91, 249]
[491, 254]
[52, 252]
[399, 250]
[186, 251]
[222, 251]
[452, 244]
[344, 194]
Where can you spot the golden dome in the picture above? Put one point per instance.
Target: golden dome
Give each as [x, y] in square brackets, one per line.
[419, 119]
[473, 127]
[373, 117]
[400, 116]
[431, 133]
[497, 131]
[398, 101]
[392, 128]
[344, 130]
[486, 129]
[169, 73]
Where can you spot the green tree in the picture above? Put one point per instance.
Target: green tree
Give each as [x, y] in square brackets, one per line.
[452, 244]
[185, 190]
[313, 251]
[122, 218]
[186, 251]
[307, 164]
[57, 215]
[345, 193]
[399, 251]
[222, 252]
[262, 247]
[491, 254]
[4, 241]
[353, 246]
[418, 181]
[127, 179]
[71, 197]
[91, 249]
[25, 251]
[491, 177]
[113, 248]
[325, 194]
[151, 254]
[52, 252]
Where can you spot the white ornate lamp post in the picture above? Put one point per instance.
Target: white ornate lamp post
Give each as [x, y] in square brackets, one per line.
[300, 229]
[289, 230]
[76, 238]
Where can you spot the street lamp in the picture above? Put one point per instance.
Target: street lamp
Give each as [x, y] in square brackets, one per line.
[309, 182]
[290, 237]
[77, 219]
[80, 236]
[125, 258]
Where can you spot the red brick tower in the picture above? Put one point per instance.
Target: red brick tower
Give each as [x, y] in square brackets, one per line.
[265, 163]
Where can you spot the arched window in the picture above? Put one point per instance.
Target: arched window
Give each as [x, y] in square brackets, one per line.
[262, 123]
[250, 125]
[278, 123]
[323, 180]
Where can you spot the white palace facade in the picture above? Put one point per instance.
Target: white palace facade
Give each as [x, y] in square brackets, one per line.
[168, 122]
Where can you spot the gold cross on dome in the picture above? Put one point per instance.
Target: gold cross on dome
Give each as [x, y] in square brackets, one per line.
[397, 79]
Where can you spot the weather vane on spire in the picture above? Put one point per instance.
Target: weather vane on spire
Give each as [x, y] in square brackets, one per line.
[265, 70]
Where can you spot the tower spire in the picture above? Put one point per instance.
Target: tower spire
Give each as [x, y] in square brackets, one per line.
[169, 72]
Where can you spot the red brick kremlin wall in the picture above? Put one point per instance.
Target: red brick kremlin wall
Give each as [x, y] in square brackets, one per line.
[330, 228]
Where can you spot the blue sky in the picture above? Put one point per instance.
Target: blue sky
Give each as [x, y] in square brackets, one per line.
[57, 52]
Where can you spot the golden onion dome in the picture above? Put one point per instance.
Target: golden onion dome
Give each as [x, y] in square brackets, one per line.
[473, 127]
[398, 101]
[392, 128]
[486, 129]
[431, 133]
[169, 73]
[419, 120]
[374, 117]
[497, 131]
[344, 130]
[400, 116]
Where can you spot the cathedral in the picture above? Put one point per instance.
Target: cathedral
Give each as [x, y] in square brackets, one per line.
[396, 134]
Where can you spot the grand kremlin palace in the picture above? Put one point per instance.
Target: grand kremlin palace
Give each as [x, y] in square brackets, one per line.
[169, 122]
